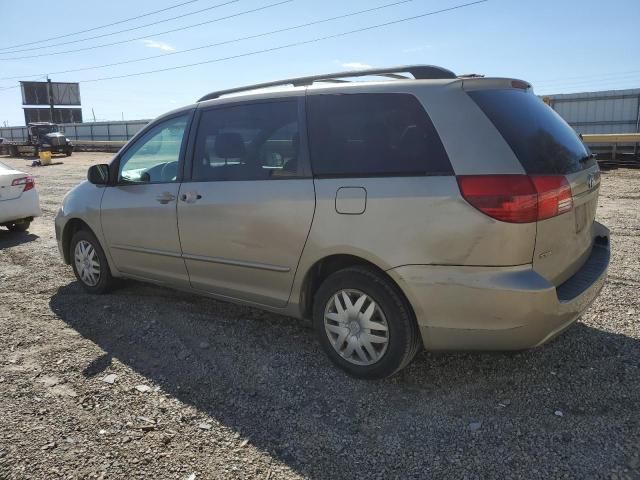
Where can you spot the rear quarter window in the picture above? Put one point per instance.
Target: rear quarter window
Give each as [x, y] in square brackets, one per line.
[543, 142]
[373, 135]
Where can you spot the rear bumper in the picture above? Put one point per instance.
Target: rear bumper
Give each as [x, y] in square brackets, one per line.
[499, 308]
[25, 206]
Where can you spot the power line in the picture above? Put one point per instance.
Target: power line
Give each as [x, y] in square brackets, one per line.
[595, 85]
[225, 42]
[628, 84]
[219, 19]
[127, 29]
[101, 26]
[18, 86]
[290, 45]
[634, 83]
[579, 77]
[619, 78]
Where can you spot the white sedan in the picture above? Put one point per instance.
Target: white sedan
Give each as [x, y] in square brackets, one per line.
[19, 201]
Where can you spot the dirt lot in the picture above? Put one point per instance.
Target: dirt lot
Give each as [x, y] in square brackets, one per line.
[204, 389]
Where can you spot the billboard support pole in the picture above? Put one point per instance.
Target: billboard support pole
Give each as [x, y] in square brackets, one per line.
[50, 90]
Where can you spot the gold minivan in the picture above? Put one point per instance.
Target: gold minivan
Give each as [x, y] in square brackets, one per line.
[423, 209]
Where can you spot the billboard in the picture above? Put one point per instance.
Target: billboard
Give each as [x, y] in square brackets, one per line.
[37, 93]
[61, 115]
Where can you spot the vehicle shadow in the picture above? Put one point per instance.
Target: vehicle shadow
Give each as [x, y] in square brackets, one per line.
[13, 239]
[265, 377]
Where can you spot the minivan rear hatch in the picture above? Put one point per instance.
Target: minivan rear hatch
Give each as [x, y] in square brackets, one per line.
[547, 146]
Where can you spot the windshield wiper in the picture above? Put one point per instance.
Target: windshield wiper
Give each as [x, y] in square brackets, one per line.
[586, 158]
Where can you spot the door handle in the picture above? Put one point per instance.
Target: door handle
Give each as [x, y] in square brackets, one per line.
[190, 197]
[165, 198]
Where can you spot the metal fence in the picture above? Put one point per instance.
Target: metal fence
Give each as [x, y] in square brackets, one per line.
[108, 131]
[611, 111]
[607, 119]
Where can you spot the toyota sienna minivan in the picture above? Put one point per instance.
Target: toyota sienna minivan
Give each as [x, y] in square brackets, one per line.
[423, 209]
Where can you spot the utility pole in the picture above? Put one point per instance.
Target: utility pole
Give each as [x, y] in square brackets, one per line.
[50, 90]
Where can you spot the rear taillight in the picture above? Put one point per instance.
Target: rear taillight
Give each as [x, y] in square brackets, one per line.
[554, 195]
[517, 198]
[520, 84]
[28, 182]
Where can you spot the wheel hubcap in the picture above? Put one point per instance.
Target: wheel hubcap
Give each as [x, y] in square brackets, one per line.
[356, 327]
[87, 263]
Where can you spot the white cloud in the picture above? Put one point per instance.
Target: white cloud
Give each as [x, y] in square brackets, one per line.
[356, 65]
[159, 45]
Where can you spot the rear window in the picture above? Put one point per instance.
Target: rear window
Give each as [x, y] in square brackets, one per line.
[373, 135]
[543, 142]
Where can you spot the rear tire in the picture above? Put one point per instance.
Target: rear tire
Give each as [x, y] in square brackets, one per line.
[19, 227]
[90, 263]
[372, 337]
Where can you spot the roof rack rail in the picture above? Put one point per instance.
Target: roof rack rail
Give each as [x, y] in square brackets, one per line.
[419, 72]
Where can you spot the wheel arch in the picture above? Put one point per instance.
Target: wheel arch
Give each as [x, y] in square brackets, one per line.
[72, 226]
[325, 266]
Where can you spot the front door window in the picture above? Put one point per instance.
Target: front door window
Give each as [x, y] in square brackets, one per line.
[155, 157]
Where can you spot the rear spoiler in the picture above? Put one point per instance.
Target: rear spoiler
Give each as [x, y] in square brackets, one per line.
[484, 83]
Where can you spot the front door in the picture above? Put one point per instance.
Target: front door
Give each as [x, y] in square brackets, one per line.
[245, 215]
[138, 214]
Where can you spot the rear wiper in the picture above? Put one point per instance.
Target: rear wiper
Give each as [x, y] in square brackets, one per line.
[586, 158]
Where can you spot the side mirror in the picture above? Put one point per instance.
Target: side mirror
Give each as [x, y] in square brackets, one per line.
[98, 174]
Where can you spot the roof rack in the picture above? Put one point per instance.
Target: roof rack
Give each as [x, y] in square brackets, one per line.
[419, 72]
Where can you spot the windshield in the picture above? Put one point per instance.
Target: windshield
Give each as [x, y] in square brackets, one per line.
[44, 129]
[543, 142]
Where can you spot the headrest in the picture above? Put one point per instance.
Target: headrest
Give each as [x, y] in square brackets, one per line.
[229, 145]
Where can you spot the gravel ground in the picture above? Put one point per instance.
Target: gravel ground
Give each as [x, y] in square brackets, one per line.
[152, 383]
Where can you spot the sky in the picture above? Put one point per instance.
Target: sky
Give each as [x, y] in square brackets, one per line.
[560, 46]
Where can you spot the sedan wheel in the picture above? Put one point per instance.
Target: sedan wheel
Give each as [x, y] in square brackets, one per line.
[87, 263]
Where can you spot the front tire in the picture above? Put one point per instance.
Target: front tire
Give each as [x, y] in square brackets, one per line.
[364, 324]
[90, 263]
[68, 152]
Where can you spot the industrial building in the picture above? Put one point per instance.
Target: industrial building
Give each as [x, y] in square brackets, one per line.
[610, 111]
[608, 120]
